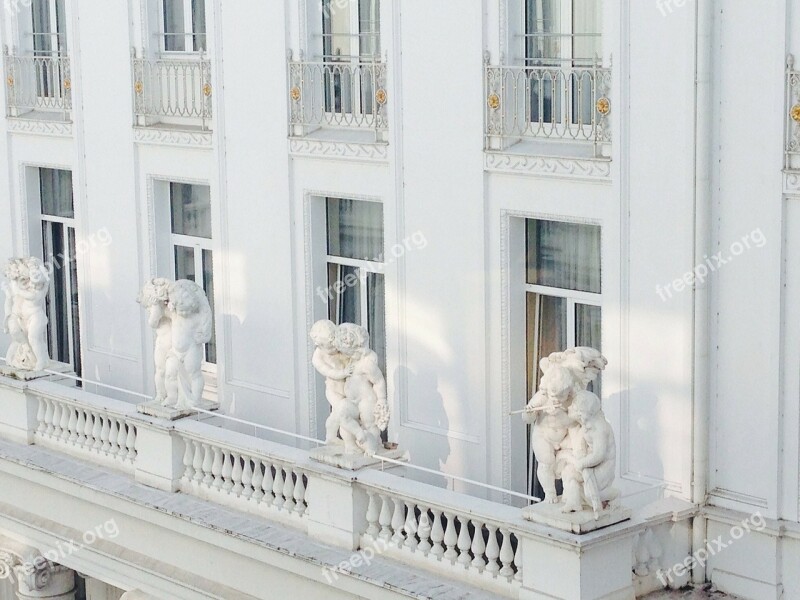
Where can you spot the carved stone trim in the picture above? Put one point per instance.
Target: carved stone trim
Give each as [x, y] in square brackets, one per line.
[33, 127]
[324, 149]
[542, 166]
[31, 571]
[172, 137]
[791, 182]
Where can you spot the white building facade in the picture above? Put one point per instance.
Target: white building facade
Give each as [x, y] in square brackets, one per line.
[478, 183]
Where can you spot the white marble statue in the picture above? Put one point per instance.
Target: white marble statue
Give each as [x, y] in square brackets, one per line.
[354, 386]
[571, 438]
[26, 286]
[180, 314]
[154, 298]
[336, 368]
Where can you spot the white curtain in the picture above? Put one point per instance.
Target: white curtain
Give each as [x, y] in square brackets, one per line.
[564, 255]
[55, 189]
[191, 209]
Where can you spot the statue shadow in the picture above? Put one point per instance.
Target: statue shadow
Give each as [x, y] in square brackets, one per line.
[428, 437]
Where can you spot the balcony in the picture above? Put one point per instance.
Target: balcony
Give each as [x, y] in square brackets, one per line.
[38, 87]
[340, 100]
[446, 537]
[558, 111]
[172, 92]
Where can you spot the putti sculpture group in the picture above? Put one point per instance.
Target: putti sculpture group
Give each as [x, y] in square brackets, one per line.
[26, 286]
[354, 386]
[571, 438]
[180, 315]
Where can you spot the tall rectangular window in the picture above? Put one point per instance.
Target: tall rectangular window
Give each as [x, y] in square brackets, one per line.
[192, 258]
[49, 27]
[59, 250]
[355, 268]
[184, 24]
[563, 297]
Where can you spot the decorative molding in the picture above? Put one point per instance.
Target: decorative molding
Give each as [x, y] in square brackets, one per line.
[791, 182]
[585, 169]
[172, 137]
[739, 497]
[34, 127]
[377, 152]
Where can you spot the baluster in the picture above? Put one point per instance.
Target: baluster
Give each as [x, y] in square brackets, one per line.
[450, 538]
[518, 561]
[80, 427]
[277, 487]
[385, 518]
[506, 554]
[208, 461]
[478, 546]
[410, 526]
[188, 459]
[247, 477]
[373, 512]
[130, 442]
[299, 494]
[236, 474]
[267, 484]
[41, 412]
[288, 491]
[66, 410]
[464, 542]
[96, 431]
[122, 438]
[492, 550]
[437, 534]
[197, 463]
[398, 519]
[56, 421]
[113, 433]
[216, 469]
[104, 434]
[49, 417]
[424, 531]
[72, 426]
[87, 431]
[227, 468]
[258, 479]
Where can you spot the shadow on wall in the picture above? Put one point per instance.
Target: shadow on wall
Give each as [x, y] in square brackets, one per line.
[428, 448]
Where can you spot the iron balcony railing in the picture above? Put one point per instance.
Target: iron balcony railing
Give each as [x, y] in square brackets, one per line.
[40, 83]
[174, 90]
[338, 93]
[558, 101]
[793, 115]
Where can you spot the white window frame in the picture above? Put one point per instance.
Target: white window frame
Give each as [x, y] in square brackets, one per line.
[364, 267]
[188, 27]
[54, 29]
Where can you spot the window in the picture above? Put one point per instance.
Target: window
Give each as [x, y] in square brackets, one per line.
[48, 27]
[563, 297]
[355, 268]
[59, 250]
[184, 25]
[190, 210]
[563, 42]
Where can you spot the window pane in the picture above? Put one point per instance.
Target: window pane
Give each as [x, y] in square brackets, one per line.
[546, 332]
[199, 24]
[355, 229]
[55, 189]
[542, 20]
[369, 27]
[376, 319]
[191, 209]
[564, 255]
[72, 273]
[586, 15]
[208, 287]
[336, 28]
[40, 13]
[184, 263]
[173, 24]
[588, 333]
[345, 287]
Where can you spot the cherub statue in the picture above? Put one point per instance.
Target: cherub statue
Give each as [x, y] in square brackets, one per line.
[365, 387]
[28, 281]
[589, 474]
[547, 412]
[336, 368]
[190, 330]
[154, 298]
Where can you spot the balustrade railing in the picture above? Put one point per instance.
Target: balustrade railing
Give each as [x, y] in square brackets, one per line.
[548, 102]
[338, 93]
[793, 115]
[173, 90]
[37, 83]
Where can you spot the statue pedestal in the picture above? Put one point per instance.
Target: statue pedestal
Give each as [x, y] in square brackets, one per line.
[53, 370]
[335, 456]
[170, 413]
[577, 522]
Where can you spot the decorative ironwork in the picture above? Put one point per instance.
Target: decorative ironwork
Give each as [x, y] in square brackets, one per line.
[603, 106]
[10, 81]
[38, 83]
[795, 113]
[138, 87]
[792, 135]
[67, 84]
[381, 96]
[295, 93]
[207, 90]
[493, 101]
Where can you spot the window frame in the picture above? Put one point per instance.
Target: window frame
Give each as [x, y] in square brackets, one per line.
[188, 34]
